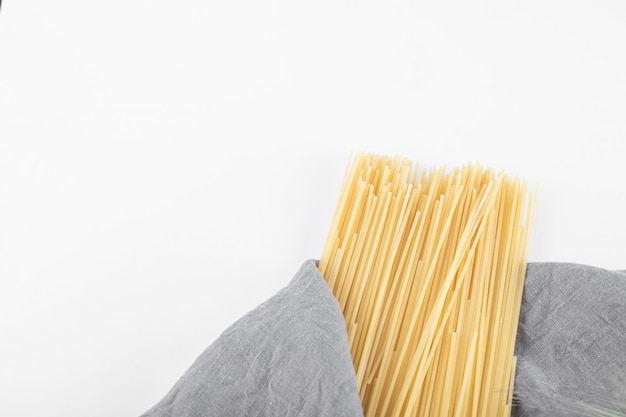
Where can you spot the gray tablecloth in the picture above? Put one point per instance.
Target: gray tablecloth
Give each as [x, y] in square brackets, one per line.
[571, 342]
[290, 355]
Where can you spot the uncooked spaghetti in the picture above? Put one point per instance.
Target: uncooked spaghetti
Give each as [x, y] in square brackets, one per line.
[428, 268]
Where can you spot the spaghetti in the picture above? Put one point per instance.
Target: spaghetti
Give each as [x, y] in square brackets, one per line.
[428, 268]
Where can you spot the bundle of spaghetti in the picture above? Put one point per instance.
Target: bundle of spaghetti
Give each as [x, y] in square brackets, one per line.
[428, 268]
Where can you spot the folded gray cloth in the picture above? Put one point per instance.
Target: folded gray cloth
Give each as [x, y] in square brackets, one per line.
[571, 342]
[290, 355]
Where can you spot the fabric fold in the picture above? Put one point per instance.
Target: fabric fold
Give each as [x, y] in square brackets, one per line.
[287, 357]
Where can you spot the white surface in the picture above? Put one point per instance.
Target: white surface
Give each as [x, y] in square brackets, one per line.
[165, 167]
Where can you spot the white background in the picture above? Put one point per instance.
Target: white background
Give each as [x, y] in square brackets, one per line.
[167, 166]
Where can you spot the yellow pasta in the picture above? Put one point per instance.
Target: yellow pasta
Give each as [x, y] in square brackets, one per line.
[428, 268]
